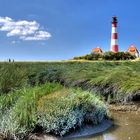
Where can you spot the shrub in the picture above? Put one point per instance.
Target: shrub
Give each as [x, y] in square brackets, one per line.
[92, 56]
[68, 109]
[107, 56]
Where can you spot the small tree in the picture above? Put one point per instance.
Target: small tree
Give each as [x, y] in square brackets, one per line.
[96, 56]
[129, 56]
[108, 55]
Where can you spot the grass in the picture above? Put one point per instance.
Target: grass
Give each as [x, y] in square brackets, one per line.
[51, 107]
[68, 99]
[12, 77]
[118, 80]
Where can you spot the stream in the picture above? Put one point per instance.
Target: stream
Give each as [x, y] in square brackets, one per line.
[126, 127]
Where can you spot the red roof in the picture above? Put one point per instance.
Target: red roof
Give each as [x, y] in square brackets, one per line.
[133, 50]
[97, 50]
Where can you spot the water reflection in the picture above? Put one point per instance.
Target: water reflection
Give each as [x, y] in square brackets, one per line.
[127, 127]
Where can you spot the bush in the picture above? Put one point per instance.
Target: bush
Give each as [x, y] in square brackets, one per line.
[117, 56]
[107, 56]
[68, 109]
[92, 56]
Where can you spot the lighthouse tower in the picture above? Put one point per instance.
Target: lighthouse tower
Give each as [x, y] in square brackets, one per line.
[114, 37]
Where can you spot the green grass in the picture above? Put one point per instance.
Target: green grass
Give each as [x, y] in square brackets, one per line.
[59, 106]
[52, 107]
[12, 77]
[119, 80]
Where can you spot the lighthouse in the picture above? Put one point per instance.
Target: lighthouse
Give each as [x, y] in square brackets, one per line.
[114, 36]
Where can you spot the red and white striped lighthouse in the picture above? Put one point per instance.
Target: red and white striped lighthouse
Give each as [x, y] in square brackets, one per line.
[114, 37]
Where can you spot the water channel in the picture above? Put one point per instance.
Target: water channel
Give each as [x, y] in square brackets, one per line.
[126, 127]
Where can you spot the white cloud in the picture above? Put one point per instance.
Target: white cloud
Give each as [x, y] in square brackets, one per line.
[4, 20]
[13, 42]
[39, 35]
[25, 30]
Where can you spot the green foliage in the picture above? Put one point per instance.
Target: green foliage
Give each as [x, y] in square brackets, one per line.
[118, 56]
[54, 108]
[18, 114]
[107, 56]
[92, 56]
[67, 109]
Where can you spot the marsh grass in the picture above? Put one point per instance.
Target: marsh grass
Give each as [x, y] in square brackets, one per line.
[120, 80]
[72, 109]
[27, 102]
[54, 108]
[12, 77]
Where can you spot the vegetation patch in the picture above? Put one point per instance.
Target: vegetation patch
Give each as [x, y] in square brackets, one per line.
[12, 77]
[107, 56]
[51, 107]
[116, 81]
[29, 104]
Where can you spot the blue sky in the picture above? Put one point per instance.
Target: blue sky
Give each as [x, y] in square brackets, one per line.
[62, 29]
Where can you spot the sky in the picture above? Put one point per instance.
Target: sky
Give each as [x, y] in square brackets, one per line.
[41, 30]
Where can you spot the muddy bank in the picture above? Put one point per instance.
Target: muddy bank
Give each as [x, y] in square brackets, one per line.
[84, 131]
[124, 107]
[42, 137]
[88, 130]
